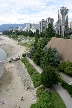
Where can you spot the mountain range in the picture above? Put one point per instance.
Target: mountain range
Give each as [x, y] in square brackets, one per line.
[4, 27]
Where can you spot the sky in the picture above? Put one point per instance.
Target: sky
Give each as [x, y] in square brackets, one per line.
[31, 11]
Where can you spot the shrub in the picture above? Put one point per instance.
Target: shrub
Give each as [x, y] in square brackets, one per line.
[66, 67]
[24, 54]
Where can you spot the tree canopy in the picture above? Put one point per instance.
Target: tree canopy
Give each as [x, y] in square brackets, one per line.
[50, 57]
[49, 77]
[49, 31]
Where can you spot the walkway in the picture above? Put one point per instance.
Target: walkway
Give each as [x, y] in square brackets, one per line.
[66, 78]
[62, 92]
[35, 66]
[64, 95]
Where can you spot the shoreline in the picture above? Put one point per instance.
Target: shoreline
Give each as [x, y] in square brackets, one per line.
[15, 79]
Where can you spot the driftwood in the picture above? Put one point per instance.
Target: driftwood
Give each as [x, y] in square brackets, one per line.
[18, 58]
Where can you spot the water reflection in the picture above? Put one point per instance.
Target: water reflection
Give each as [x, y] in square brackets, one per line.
[3, 56]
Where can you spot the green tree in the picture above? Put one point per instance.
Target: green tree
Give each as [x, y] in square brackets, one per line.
[49, 31]
[37, 56]
[37, 33]
[49, 77]
[38, 51]
[57, 35]
[42, 34]
[50, 57]
[31, 34]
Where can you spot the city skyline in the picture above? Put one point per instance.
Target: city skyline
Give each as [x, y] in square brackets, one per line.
[25, 11]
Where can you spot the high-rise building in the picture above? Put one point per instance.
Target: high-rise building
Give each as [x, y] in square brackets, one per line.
[43, 24]
[20, 28]
[28, 26]
[49, 20]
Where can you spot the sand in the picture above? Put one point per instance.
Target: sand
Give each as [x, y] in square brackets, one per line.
[15, 79]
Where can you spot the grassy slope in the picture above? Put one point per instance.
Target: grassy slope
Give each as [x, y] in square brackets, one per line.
[57, 101]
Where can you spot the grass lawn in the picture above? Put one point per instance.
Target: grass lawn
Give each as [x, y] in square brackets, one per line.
[57, 101]
[21, 36]
[27, 44]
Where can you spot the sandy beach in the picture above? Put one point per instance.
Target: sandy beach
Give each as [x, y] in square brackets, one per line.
[15, 79]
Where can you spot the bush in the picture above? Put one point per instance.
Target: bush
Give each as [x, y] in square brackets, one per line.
[68, 70]
[66, 67]
[62, 66]
[24, 55]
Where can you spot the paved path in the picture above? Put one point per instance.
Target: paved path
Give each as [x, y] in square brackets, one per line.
[62, 92]
[35, 66]
[65, 77]
[64, 95]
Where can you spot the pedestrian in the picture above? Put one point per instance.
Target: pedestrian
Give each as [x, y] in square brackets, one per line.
[4, 102]
[22, 98]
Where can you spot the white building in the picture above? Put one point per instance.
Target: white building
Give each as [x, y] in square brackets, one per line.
[43, 24]
[20, 28]
[28, 26]
[33, 29]
[49, 20]
[70, 24]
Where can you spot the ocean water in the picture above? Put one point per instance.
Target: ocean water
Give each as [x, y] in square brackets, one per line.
[3, 56]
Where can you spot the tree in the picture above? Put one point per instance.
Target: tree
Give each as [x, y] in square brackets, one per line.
[49, 77]
[42, 34]
[37, 56]
[37, 33]
[57, 35]
[50, 57]
[49, 31]
[38, 51]
[31, 33]
[56, 57]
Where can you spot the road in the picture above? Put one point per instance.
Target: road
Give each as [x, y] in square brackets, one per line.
[61, 91]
